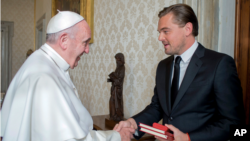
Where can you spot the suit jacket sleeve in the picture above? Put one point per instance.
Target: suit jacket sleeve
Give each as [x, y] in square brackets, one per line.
[230, 109]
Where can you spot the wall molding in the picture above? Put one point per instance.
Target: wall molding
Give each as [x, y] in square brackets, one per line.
[40, 31]
[7, 28]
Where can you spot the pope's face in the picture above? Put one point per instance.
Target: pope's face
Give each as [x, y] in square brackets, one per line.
[80, 44]
[171, 35]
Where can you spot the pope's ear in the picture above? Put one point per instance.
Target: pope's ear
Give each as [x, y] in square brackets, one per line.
[63, 40]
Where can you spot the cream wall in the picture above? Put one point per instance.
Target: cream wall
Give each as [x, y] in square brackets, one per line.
[130, 27]
[21, 12]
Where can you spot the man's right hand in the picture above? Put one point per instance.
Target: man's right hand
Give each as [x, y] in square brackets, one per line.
[129, 123]
[126, 129]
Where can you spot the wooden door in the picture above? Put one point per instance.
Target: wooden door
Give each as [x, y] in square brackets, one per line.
[242, 50]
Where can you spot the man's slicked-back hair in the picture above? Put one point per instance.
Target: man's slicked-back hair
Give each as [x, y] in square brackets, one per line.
[182, 15]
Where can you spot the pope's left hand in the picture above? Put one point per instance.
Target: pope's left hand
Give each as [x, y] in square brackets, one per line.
[178, 135]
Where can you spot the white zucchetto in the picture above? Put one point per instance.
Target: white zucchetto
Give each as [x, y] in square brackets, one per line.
[63, 20]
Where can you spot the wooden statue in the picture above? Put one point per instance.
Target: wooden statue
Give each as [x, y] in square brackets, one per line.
[116, 98]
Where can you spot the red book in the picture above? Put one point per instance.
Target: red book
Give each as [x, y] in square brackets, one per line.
[157, 130]
[162, 127]
[159, 126]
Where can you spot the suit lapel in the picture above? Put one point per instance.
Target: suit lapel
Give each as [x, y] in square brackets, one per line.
[193, 67]
[164, 81]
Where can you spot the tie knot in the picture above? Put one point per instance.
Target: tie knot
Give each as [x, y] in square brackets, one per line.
[177, 60]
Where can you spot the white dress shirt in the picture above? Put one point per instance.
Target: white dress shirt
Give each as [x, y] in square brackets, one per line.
[185, 59]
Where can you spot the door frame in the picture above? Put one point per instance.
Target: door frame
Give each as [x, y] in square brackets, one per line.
[9, 28]
[242, 50]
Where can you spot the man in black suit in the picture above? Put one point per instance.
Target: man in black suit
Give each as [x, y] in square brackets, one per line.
[198, 93]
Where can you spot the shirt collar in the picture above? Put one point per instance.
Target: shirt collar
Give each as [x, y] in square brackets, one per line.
[60, 62]
[186, 56]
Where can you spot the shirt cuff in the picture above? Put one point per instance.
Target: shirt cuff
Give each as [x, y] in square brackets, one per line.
[136, 132]
[188, 137]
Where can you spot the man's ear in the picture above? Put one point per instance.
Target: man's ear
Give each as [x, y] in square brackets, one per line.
[63, 40]
[188, 28]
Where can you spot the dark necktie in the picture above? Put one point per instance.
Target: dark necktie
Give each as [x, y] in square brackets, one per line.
[175, 82]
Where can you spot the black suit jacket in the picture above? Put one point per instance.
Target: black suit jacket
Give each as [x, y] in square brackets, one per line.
[209, 99]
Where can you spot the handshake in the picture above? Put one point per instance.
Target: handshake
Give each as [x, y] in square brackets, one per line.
[126, 129]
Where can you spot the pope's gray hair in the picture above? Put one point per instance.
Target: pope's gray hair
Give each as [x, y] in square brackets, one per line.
[53, 37]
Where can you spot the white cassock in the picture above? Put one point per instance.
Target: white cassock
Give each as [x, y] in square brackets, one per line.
[42, 104]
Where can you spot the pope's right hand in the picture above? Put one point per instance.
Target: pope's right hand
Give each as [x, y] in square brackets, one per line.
[125, 133]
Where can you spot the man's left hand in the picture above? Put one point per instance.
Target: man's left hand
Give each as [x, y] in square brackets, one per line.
[178, 135]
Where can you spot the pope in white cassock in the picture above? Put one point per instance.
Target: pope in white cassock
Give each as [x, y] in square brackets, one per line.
[42, 103]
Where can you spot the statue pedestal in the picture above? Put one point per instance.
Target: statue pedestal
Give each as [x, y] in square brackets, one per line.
[110, 123]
